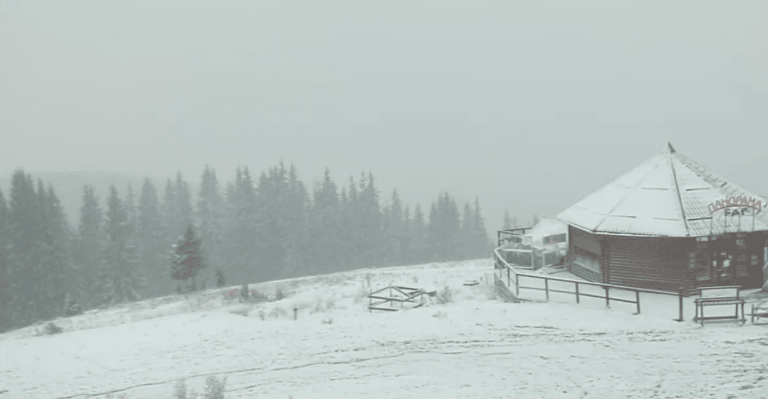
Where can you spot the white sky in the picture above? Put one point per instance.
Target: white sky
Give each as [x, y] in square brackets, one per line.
[530, 105]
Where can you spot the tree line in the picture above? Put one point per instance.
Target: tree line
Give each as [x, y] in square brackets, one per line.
[247, 230]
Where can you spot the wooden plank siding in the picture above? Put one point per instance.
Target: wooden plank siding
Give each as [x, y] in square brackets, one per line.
[649, 262]
[583, 243]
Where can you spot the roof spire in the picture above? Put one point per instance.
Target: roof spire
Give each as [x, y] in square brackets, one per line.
[671, 150]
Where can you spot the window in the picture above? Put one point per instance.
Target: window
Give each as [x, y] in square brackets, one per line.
[588, 261]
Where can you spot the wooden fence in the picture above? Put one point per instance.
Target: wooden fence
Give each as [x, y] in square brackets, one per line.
[514, 278]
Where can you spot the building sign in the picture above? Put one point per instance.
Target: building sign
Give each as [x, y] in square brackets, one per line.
[735, 206]
[554, 239]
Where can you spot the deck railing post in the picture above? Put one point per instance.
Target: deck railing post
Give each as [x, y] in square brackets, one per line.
[607, 298]
[546, 288]
[577, 292]
[637, 298]
[680, 292]
[517, 285]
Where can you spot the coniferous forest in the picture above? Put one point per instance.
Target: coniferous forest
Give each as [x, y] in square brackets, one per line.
[153, 241]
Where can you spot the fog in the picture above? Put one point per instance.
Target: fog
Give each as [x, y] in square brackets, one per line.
[528, 105]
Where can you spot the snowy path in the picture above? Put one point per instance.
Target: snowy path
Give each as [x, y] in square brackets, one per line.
[473, 348]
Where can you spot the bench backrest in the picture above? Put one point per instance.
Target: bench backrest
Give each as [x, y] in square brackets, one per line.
[719, 292]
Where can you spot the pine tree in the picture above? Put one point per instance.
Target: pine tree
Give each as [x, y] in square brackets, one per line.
[210, 213]
[5, 278]
[27, 299]
[419, 237]
[120, 275]
[184, 212]
[395, 230]
[240, 246]
[507, 221]
[372, 237]
[89, 247]
[152, 241]
[467, 233]
[407, 244]
[188, 260]
[58, 271]
[481, 243]
[326, 240]
[296, 225]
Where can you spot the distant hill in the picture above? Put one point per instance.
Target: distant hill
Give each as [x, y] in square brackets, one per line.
[69, 187]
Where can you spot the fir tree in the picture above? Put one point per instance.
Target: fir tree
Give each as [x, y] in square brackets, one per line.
[407, 244]
[507, 221]
[187, 259]
[394, 230]
[27, 299]
[89, 247]
[152, 241]
[58, 271]
[419, 236]
[481, 244]
[120, 275]
[210, 213]
[326, 238]
[5, 278]
[467, 233]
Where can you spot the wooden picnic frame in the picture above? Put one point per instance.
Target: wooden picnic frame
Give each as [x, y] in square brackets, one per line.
[706, 299]
[409, 295]
[759, 311]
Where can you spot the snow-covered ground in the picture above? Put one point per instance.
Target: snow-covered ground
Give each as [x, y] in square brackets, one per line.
[475, 347]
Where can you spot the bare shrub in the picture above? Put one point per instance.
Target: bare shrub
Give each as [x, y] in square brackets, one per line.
[214, 388]
[277, 312]
[445, 295]
[241, 312]
[51, 329]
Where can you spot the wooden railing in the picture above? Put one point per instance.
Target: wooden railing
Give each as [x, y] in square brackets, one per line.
[514, 277]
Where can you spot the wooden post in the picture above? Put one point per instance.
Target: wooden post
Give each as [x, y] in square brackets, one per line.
[517, 285]
[546, 288]
[607, 297]
[295, 311]
[637, 298]
[680, 295]
[577, 292]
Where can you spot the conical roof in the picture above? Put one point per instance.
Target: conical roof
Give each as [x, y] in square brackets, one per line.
[668, 195]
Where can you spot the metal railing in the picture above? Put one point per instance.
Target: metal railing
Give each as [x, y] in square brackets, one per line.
[514, 276]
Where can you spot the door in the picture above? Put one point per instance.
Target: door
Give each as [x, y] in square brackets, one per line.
[721, 260]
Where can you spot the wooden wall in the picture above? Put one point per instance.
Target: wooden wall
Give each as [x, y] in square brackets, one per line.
[649, 262]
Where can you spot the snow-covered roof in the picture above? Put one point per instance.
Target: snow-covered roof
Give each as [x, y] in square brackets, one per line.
[668, 195]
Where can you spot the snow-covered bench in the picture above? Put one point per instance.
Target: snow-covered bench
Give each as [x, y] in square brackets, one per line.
[719, 296]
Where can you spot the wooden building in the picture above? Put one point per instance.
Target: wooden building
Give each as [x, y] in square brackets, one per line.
[669, 223]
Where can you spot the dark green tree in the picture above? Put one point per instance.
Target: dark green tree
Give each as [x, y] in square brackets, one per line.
[5, 278]
[187, 260]
[88, 248]
[152, 241]
[210, 213]
[122, 281]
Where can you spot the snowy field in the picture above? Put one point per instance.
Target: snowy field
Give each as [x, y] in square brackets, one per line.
[474, 347]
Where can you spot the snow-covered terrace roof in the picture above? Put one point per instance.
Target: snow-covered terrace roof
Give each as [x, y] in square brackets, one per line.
[668, 195]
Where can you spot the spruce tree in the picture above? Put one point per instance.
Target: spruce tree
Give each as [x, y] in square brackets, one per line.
[507, 221]
[419, 237]
[5, 278]
[372, 236]
[407, 244]
[326, 240]
[27, 299]
[184, 213]
[152, 241]
[88, 248]
[120, 270]
[395, 230]
[210, 213]
[187, 260]
[481, 243]
[296, 225]
[58, 271]
[467, 233]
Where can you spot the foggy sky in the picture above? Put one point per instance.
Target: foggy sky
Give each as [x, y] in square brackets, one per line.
[530, 105]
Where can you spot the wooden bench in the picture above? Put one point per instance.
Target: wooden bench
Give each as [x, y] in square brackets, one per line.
[759, 310]
[719, 296]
